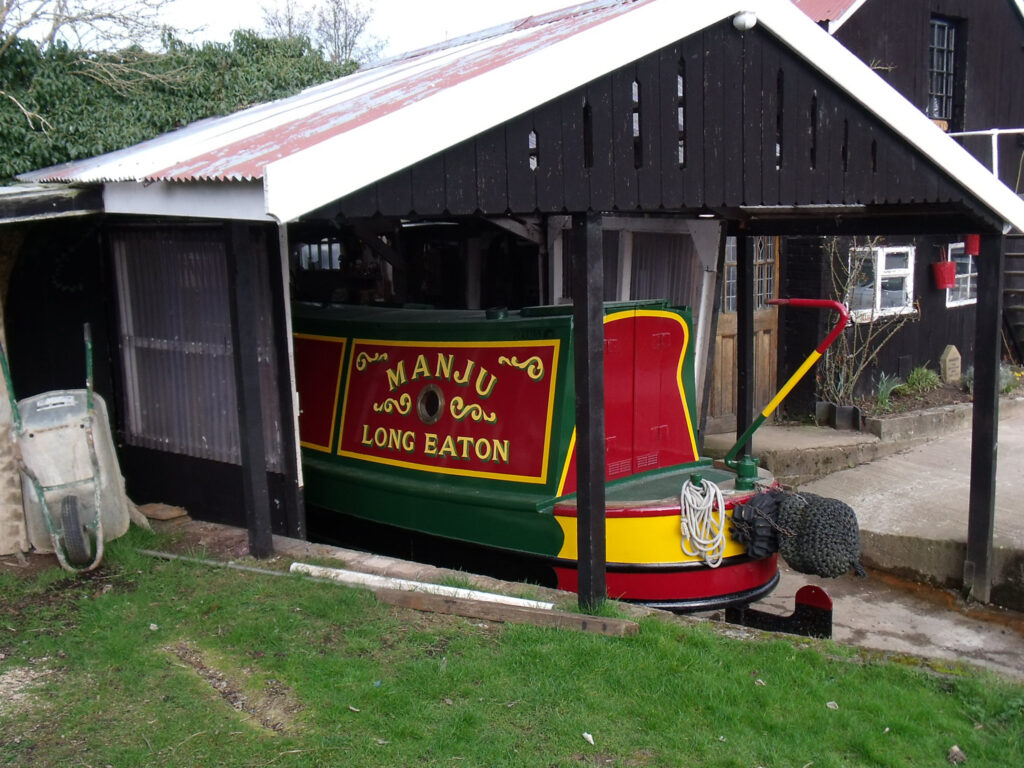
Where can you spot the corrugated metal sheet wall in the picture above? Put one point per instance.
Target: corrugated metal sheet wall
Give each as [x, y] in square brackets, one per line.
[174, 326]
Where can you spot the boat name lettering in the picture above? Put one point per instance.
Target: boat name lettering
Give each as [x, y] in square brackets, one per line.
[462, 447]
[443, 368]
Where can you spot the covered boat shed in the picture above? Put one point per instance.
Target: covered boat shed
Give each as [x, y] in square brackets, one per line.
[739, 118]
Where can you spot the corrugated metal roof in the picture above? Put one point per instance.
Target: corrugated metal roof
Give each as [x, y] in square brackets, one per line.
[240, 146]
[302, 153]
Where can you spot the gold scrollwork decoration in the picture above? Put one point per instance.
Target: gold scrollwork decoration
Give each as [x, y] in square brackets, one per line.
[460, 411]
[402, 405]
[533, 366]
[364, 359]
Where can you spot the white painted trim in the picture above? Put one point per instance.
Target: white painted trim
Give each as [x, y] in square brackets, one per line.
[241, 201]
[556, 226]
[702, 333]
[373, 581]
[625, 276]
[284, 249]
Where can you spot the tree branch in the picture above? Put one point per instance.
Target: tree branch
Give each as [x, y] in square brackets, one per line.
[29, 114]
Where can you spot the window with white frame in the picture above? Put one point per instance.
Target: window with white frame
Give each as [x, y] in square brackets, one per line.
[764, 273]
[882, 282]
[965, 290]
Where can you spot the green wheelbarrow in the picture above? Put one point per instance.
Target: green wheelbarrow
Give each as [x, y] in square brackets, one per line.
[73, 492]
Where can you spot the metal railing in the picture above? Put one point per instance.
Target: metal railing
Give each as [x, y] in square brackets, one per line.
[994, 133]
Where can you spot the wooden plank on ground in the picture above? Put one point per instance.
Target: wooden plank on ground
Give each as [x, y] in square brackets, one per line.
[512, 614]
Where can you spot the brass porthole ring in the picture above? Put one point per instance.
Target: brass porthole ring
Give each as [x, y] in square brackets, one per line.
[430, 404]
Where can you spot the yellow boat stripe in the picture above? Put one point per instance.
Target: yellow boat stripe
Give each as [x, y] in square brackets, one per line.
[640, 540]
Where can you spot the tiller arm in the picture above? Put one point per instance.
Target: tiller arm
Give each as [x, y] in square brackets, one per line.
[746, 468]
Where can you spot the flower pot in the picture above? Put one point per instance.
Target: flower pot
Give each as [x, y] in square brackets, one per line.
[824, 413]
[945, 274]
[847, 417]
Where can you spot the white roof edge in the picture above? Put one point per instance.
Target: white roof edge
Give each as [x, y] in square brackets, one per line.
[238, 200]
[384, 146]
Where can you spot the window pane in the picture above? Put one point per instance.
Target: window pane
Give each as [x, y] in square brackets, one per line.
[897, 260]
[893, 292]
[730, 289]
[862, 278]
[941, 69]
[966, 288]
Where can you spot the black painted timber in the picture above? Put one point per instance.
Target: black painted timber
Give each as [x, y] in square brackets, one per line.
[588, 347]
[745, 384]
[893, 38]
[734, 120]
[244, 340]
[985, 428]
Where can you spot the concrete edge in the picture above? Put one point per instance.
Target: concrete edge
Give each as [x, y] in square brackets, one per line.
[931, 422]
[941, 561]
[895, 434]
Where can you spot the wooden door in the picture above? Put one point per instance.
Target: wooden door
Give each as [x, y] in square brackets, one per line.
[722, 408]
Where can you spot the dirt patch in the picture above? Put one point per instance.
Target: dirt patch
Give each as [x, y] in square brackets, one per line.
[199, 539]
[273, 708]
[14, 685]
[26, 566]
[947, 394]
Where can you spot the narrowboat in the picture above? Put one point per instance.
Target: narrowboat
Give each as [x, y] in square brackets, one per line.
[460, 425]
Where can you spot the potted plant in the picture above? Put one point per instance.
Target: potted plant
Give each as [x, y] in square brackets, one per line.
[852, 355]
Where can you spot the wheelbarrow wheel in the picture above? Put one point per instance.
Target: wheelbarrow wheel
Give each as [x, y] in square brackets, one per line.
[77, 544]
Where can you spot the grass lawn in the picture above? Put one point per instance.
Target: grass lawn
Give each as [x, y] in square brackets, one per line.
[155, 663]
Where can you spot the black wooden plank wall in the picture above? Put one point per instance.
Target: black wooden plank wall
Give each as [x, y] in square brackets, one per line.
[920, 341]
[761, 127]
[893, 38]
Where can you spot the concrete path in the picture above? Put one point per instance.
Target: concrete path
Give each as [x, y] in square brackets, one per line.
[903, 619]
[913, 509]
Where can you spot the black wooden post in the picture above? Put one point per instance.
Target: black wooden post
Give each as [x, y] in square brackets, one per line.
[252, 448]
[744, 339]
[588, 321]
[985, 428]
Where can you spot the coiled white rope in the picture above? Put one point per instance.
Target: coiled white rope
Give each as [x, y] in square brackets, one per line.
[702, 521]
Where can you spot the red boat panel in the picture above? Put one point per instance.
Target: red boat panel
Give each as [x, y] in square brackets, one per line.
[619, 340]
[476, 409]
[647, 421]
[318, 362]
